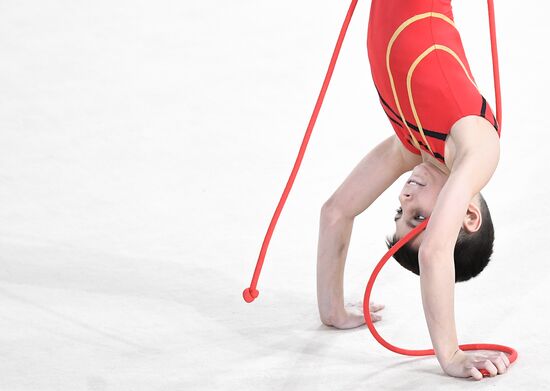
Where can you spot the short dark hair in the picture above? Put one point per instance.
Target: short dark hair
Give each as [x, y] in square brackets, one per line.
[471, 254]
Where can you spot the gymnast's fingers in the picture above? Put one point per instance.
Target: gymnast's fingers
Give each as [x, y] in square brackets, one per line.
[375, 317]
[501, 356]
[499, 363]
[475, 373]
[376, 307]
[505, 358]
[489, 366]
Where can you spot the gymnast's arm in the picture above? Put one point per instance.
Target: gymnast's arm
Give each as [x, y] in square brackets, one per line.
[381, 167]
[475, 160]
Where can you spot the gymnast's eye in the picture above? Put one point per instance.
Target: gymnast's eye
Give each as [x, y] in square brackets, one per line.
[420, 218]
[398, 211]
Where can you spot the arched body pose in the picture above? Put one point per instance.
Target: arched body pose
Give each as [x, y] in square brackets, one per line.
[447, 135]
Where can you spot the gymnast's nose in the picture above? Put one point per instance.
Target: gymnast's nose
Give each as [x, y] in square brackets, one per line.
[405, 196]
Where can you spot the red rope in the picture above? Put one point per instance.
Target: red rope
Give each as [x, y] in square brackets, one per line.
[250, 293]
[425, 352]
[494, 55]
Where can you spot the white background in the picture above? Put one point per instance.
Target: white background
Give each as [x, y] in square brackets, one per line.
[143, 148]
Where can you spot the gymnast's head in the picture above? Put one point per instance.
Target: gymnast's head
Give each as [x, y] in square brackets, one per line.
[474, 245]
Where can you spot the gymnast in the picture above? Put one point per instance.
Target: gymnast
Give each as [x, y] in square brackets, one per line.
[447, 135]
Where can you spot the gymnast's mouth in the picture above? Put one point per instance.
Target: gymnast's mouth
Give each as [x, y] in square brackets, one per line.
[414, 182]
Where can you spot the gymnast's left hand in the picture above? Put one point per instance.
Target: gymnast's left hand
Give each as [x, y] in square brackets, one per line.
[466, 364]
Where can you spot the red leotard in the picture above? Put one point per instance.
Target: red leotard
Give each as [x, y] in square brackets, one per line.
[421, 73]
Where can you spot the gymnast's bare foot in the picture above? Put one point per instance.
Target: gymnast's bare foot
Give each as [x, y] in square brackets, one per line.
[353, 315]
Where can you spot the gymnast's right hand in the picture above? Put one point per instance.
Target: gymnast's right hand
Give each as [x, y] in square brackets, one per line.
[352, 316]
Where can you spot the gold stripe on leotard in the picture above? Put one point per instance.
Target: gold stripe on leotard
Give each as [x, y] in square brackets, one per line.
[392, 84]
[410, 74]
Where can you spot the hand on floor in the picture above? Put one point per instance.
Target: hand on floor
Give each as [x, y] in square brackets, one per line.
[353, 315]
[466, 364]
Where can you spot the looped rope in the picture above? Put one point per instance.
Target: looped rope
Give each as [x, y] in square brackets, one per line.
[414, 352]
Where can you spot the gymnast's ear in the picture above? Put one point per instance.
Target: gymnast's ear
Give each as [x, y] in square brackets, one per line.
[472, 220]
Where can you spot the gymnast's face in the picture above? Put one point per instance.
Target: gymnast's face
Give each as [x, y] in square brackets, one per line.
[417, 199]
